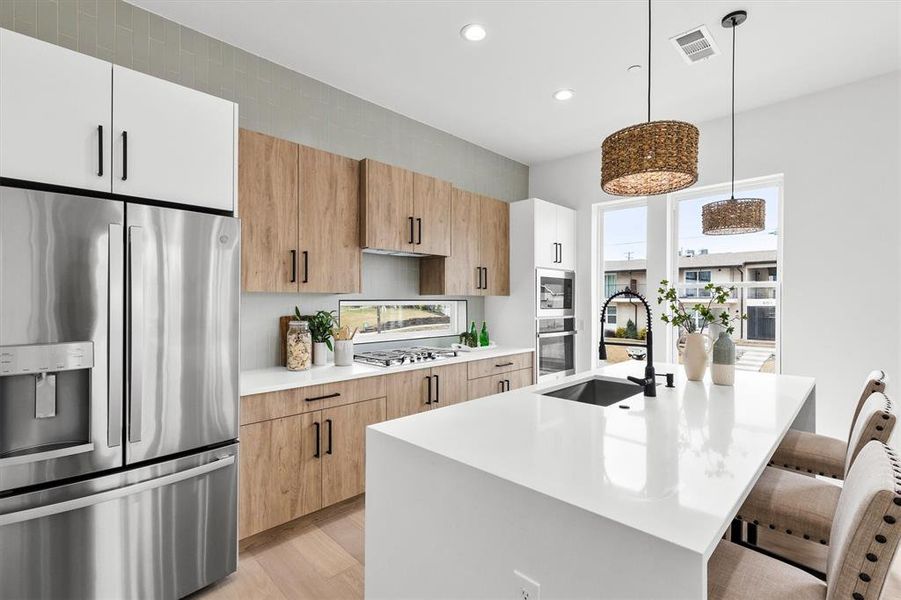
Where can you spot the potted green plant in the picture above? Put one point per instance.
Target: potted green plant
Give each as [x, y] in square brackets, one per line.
[693, 321]
[321, 326]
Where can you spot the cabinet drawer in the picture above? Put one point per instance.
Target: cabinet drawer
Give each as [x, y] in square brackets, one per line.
[273, 405]
[496, 384]
[501, 364]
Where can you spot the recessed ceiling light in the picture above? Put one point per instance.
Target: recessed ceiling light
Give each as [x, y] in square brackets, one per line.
[634, 68]
[564, 94]
[473, 32]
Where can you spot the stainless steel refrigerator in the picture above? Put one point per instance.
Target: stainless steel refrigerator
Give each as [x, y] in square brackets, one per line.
[118, 397]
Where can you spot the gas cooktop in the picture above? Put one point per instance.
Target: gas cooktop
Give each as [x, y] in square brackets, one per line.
[403, 356]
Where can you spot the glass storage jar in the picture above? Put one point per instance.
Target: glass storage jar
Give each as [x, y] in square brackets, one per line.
[299, 350]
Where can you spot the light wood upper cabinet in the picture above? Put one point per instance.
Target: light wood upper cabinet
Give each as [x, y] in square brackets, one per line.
[344, 448]
[299, 210]
[479, 263]
[494, 246]
[432, 212]
[267, 188]
[329, 257]
[403, 211]
[386, 205]
[280, 474]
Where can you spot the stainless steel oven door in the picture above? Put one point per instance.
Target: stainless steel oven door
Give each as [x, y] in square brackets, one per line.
[555, 293]
[556, 355]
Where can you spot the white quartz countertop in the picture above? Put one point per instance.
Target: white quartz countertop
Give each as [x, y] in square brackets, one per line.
[676, 466]
[273, 379]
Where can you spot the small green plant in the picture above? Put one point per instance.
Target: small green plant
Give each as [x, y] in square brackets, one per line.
[467, 339]
[631, 330]
[321, 325]
[643, 333]
[684, 318]
[620, 332]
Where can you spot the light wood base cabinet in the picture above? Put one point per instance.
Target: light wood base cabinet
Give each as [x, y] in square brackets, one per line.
[280, 475]
[497, 384]
[344, 448]
[416, 391]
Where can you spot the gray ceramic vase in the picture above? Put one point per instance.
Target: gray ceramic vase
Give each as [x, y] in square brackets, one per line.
[722, 369]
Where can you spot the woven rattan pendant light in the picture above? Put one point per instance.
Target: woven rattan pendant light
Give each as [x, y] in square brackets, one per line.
[742, 215]
[650, 158]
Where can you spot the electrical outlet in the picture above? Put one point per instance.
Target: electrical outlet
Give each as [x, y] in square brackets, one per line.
[526, 588]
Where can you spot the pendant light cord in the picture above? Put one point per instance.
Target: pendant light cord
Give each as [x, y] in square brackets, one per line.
[649, 61]
[734, 27]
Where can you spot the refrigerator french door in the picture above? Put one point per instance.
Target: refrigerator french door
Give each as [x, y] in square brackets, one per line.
[118, 397]
[182, 295]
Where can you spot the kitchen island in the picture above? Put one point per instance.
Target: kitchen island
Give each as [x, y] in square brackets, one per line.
[623, 501]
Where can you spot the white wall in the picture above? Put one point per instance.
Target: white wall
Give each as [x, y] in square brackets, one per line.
[839, 153]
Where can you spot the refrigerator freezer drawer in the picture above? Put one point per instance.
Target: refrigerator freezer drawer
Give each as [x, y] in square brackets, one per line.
[160, 531]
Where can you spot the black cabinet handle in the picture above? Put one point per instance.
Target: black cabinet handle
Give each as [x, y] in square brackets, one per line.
[318, 440]
[306, 267]
[437, 389]
[485, 285]
[555, 253]
[478, 278]
[506, 364]
[500, 385]
[561, 252]
[329, 422]
[429, 395]
[100, 151]
[411, 229]
[326, 397]
[419, 229]
[507, 381]
[293, 266]
[124, 155]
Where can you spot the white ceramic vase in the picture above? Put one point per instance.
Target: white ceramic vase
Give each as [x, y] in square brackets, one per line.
[344, 353]
[320, 354]
[694, 357]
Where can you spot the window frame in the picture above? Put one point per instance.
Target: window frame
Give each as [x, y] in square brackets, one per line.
[613, 314]
[459, 320]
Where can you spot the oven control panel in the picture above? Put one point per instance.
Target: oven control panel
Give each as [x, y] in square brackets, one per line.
[44, 358]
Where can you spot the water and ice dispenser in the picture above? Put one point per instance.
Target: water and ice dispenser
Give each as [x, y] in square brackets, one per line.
[45, 400]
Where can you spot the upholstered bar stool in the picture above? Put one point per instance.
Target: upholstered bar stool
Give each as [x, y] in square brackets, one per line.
[804, 506]
[820, 454]
[866, 532]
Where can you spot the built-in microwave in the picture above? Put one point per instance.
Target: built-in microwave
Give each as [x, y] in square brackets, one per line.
[555, 293]
[556, 347]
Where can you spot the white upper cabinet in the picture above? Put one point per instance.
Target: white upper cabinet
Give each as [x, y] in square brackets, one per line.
[566, 237]
[73, 120]
[172, 143]
[55, 114]
[555, 236]
[545, 235]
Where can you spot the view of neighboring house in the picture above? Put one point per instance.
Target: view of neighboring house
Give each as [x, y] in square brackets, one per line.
[698, 268]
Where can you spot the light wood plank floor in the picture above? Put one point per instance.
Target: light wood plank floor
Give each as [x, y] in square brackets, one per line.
[320, 556]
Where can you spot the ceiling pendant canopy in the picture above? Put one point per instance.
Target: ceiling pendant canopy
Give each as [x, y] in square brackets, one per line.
[650, 158]
[742, 215]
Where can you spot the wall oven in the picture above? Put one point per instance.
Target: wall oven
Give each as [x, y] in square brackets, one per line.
[556, 347]
[555, 293]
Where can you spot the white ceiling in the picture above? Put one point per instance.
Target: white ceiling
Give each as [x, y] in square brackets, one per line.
[410, 58]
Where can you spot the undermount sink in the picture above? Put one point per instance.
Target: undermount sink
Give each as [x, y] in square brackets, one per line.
[600, 392]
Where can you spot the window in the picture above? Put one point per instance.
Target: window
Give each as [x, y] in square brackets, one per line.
[609, 284]
[747, 262]
[386, 320]
[611, 314]
[695, 282]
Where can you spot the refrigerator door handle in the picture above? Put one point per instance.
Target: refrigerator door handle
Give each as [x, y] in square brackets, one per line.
[48, 510]
[136, 332]
[115, 320]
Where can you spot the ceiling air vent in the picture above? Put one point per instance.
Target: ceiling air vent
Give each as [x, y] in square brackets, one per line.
[696, 44]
